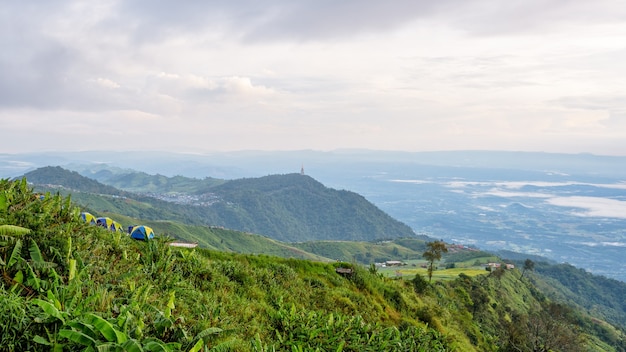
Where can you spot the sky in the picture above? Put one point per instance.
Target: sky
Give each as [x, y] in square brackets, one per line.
[413, 75]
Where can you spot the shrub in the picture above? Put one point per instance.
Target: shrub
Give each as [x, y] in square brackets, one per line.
[420, 285]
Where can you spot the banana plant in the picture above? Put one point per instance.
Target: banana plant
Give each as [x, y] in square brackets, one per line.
[32, 274]
[92, 332]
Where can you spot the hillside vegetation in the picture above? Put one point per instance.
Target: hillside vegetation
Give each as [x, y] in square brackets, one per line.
[288, 208]
[223, 239]
[68, 285]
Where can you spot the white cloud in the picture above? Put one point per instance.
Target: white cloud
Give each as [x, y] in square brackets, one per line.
[604, 244]
[417, 182]
[505, 194]
[593, 206]
[107, 83]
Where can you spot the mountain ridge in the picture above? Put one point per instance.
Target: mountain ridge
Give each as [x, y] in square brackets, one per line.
[289, 208]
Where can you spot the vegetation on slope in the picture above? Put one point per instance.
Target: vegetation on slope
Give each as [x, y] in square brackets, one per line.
[67, 284]
[221, 239]
[360, 252]
[598, 295]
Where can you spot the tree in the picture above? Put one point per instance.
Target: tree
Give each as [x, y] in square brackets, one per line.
[529, 265]
[432, 254]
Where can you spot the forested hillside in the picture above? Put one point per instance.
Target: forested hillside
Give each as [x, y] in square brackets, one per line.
[70, 285]
[597, 294]
[280, 206]
[289, 208]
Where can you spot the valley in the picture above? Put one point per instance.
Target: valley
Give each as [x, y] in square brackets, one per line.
[557, 217]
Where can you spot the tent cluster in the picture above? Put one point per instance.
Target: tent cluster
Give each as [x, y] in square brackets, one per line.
[138, 232]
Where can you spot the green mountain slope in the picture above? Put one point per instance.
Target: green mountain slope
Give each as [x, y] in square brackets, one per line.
[73, 286]
[289, 208]
[603, 296]
[295, 207]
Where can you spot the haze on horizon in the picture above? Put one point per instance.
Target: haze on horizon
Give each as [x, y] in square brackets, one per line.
[197, 76]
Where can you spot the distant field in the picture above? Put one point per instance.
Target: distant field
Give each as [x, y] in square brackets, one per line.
[472, 267]
[472, 262]
[408, 272]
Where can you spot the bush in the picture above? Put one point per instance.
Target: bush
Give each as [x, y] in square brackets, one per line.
[420, 285]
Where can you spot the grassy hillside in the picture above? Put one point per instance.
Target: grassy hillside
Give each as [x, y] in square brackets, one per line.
[221, 239]
[66, 284]
[361, 252]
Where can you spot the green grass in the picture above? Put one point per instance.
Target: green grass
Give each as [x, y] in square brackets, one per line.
[358, 251]
[474, 262]
[216, 238]
[408, 272]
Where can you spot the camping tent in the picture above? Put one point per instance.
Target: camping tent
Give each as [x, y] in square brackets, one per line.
[141, 232]
[108, 223]
[88, 218]
[117, 227]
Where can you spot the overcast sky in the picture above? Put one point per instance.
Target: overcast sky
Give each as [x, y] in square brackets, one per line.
[414, 75]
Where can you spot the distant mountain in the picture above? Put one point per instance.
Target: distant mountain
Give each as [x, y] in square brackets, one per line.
[142, 182]
[283, 206]
[57, 176]
[328, 167]
[289, 208]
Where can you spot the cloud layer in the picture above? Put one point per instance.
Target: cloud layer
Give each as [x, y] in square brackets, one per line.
[226, 75]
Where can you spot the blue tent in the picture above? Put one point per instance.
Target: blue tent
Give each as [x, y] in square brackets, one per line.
[107, 223]
[141, 232]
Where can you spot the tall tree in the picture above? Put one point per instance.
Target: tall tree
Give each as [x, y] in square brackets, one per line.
[432, 254]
